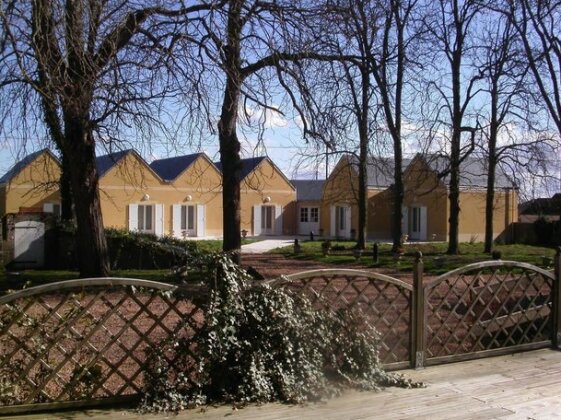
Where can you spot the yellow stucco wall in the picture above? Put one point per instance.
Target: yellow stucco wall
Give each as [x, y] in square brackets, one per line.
[35, 185]
[266, 185]
[422, 189]
[131, 180]
[473, 203]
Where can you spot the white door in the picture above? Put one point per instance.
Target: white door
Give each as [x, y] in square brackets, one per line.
[418, 223]
[343, 222]
[267, 220]
[29, 246]
[188, 220]
[308, 220]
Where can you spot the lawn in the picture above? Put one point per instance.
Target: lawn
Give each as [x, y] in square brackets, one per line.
[434, 255]
[28, 278]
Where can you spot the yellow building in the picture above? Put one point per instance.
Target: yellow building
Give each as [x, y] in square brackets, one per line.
[267, 198]
[425, 210]
[31, 185]
[308, 206]
[179, 196]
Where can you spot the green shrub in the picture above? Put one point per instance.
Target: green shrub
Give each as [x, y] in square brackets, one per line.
[131, 250]
[262, 344]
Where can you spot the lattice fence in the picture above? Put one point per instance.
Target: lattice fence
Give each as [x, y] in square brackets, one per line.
[87, 339]
[91, 339]
[487, 307]
[386, 302]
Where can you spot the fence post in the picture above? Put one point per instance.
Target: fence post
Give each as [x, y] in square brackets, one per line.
[418, 316]
[556, 302]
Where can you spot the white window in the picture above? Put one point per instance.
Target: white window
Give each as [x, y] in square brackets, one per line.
[341, 218]
[314, 214]
[267, 218]
[53, 208]
[188, 218]
[145, 218]
[304, 214]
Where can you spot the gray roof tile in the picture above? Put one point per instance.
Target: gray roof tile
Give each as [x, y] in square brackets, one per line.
[170, 168]
[308, 189]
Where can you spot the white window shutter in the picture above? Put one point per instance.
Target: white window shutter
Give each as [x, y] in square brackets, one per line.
[159, 220]
[333, 221]
[404, 221]
[201, 219]
[256, 220]
[133, 217]
[48, 208]
[176, 220]
[348, 221]
[423, 233]
[278, 220]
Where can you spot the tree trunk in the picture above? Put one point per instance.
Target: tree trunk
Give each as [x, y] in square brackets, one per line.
[66, 213]
[457, 115]
[489, 204]
[229, 143]
[91, 246]
[397, 198]
[454, 219]
[363, 161]
[491, 170]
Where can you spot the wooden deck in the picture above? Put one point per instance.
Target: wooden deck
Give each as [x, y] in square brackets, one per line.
[522, 386]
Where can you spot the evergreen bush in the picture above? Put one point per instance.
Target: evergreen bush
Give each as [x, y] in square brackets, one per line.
[263, 344]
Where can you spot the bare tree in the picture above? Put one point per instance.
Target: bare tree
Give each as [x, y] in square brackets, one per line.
[451, 25]
[504, 77]
[537, 25]
[90, 66]
[390, 62]
[241, 48]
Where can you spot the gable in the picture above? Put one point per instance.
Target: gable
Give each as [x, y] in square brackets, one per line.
[420, 177]
[130, 170]
[265, 175]
[342, 182]
[201, 175]
[38, 167]
[170, 168]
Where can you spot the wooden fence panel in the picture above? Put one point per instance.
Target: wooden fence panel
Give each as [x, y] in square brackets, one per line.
[384, 300]
[487, 308]
[87, 339]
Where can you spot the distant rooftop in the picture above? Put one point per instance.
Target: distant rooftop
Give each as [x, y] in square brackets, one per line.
[307, 189]
[16, 169]
[170, 168]
[248, 165]
[473, 171]
[105, 162]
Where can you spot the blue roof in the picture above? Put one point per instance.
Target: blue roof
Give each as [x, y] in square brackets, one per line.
[170, 168]
[16, 169]
[248, 165]
[106, 162]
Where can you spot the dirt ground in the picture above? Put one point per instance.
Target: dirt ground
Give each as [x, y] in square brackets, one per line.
[270, 266]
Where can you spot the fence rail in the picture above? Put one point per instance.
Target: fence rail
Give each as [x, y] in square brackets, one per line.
[88, 341]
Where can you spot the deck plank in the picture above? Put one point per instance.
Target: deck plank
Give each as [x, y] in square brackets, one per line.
[524, 385]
